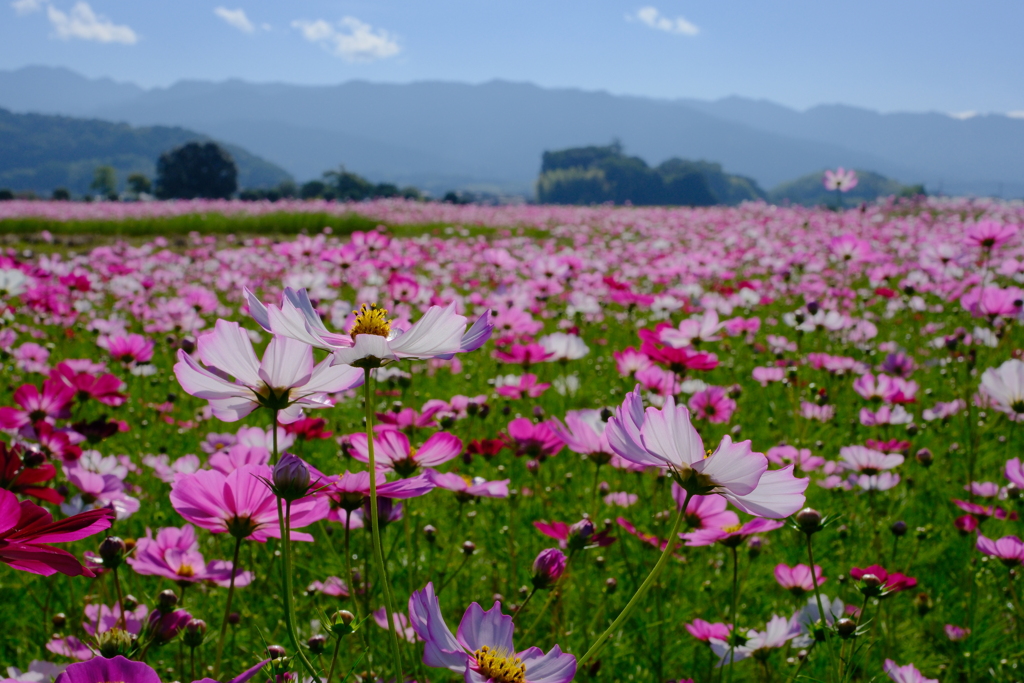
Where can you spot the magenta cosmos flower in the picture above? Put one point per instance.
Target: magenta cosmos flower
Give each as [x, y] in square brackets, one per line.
[704, 512]
[482, 649]
[174, 554]
[1008, 549]
[469, 487]
[240, 503]
[583, 433]
[665, 438]
[393, 451]
[371, 341]
[100, 670]
[712, 404]
[286, 380]
[730, 536]
[533, 440]
[840, 179]
[907, 673]
[705, 631]
[26, 529]
[798, 580]
[49, 404]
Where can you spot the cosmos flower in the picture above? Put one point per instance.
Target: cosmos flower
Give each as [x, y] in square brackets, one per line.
[466, 487]
[840, 179]
[798, 580]
[27, 530]
[392, 450]
[174, 554]
[1004, 387]
[907, 673]
[285, 380]
[100, 670]
[665, 438]
[777, 633]
[371, 341]
[482, 649]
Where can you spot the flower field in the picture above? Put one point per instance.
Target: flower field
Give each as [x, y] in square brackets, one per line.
[518, 444]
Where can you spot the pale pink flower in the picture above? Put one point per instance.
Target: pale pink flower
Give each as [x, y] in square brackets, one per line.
[798, 580]
[765, 375]
[905, 674]
[791, 455]
[840, 179]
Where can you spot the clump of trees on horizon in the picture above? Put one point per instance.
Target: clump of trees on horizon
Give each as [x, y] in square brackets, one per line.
[596, 175]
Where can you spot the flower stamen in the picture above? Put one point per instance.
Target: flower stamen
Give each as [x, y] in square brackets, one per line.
[371, 320]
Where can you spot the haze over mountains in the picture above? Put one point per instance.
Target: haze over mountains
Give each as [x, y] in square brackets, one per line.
[440, 136]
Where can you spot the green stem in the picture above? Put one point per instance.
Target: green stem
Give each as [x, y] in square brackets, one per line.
[334, 659]
[673, 538]
[525, 603]
[120, 601]
[289, 616]
[821, 609]
[227, 609]
[378, 553]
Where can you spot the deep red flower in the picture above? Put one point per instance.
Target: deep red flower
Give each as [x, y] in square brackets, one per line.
[894, 582]
[26, 529]
[104, 388]
[308, 428]
[16, 477]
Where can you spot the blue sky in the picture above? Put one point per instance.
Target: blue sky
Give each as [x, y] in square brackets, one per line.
[891, 55]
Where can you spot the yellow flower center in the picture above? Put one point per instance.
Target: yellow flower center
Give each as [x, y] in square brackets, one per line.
[732, 529]
[186, 571]
[371, 320]
[500, 665]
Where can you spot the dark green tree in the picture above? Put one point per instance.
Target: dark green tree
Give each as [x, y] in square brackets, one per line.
[196, 170]
[61, 194]
[104, 181]
[139, 183]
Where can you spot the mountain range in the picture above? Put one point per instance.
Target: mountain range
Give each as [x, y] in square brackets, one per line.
[441, 135]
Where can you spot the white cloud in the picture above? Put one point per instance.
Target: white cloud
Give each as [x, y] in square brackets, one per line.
[652, 17]
[23, 7]
[1016, 114]
[236, 18]
[964, 115]
[83, 23]
[350, 39]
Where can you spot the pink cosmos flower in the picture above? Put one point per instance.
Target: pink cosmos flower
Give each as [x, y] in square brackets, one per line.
[905, 674]
[813, 411]
[50, 404]
[798, 580]
[730, 536]
[482, 649]
[791, 455]
[31, 357]
[393, 452]
[704, 512]
[538, 440]
[576, 536]
[516, 387]
[885, 388]
[942, 411]
[985, 489]
[401, 621]
[99, 670]
[584, 433]
[955, 633]
[331, 586]
[665, 438]
[893, 581]
[713, 404]
[1009, 549]
[410, 418]
[765, 375]
[174, 554]
[989, 234]
[885, 416]
[621, 499]
[351, 491]
[371, 342]
[102, 618]
[692, 331]
[26, 530]
[705, 631]
[658, 381]
[105, 388]
[466, 487]
[1014, 471]
[629, 361]
[1003, 386]
[241, 504]
[777, 633]
[524, 354]
[867, 461]
[285, 380]
[133, 348]
[993, 302]
[840, 179]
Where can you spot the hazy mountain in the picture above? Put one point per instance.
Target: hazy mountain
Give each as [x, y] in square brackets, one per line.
[443, 135]
[41, 152]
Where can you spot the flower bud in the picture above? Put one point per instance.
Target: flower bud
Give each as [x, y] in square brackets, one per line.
[195, 633]
[870, 585]
[923, 603]
[846, 628]
[130, 602]
[809, 521]
[899, 528]
[468, 548]
[606, 414]
[165, 627]
[112, 551]
[33, 459]
[317, 644]
[580, 533]
[610, 585]
[114, 642]
[341, 623]
[291, 477]
[532, 466]
[430, 533]
[166, 600]
[924, 457]
[59, 620]
[1012, 491]
[599, 561]
[234, 618]
[548, 568]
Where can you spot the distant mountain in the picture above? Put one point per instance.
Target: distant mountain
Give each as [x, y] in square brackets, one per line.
[441, 136]
[594, 175]
[809, 190]
[40, 152]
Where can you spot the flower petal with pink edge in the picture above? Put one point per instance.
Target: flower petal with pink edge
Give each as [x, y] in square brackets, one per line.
[553, 667]
[438, 449]
[490, 628]
[778, 494]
